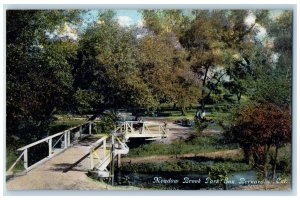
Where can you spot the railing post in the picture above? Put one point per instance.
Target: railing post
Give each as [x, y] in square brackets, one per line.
[104, 148]
[50, 146]
[119, 160]
[65, 140]
[80, 131]
[90, 128]
[69, 138]
[131, 127]
[26, 159]
[91, 160]
[112, 170]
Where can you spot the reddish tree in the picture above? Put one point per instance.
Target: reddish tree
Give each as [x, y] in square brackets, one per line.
[257, 127]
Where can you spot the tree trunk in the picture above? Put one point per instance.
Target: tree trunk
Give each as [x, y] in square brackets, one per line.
[265, 169]
[247, 153]
[183, 111]
[275, 163]
[174, 106]
[239, 96]
[202, 102]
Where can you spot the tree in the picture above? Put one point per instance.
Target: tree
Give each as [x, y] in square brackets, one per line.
[220, 43]
[39, 79]
[257, 127]
[106, 68]
[275, 80]
[163, 59]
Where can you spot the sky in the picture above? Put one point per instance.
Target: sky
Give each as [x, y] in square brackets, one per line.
[124, 17]
[129, 17]
[134, 17]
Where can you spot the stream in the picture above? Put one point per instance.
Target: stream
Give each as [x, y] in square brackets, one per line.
[182, 181]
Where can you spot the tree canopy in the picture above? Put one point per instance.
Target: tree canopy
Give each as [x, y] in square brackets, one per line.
[181, 57]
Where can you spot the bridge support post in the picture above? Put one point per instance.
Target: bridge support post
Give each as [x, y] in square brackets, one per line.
[119, 161]
[26, 159]
[50, 147]
[90, 128]
[143, 128]
[69, 138]
[91, 160]
[112, 168]
[65, 140]
[80, 131]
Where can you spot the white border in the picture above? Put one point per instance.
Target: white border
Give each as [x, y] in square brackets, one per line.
[158, 4]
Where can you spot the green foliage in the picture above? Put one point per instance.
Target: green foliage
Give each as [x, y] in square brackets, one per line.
[61, 125]
[39, 78]
[107, 69]
[285, 160]
[106, 124]
[11, 157]
[188, 166]
[200, 125]
[196, 145]
[86, 101]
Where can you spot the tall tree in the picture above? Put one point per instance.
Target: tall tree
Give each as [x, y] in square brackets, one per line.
[219, 43]
[39, 78]
[106, 68]
[275, 80]
[163, 59]
[257, 127]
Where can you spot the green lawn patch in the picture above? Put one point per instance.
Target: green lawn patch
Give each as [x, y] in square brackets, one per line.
[187, 166]
[198, 144]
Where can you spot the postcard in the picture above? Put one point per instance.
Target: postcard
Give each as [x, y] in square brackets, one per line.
[149, 99]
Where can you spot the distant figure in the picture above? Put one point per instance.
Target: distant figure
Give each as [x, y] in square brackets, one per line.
[200, 115]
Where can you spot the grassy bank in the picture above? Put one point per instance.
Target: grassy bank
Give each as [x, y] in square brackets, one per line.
[189, 165]
[198, 144]
[61, 125]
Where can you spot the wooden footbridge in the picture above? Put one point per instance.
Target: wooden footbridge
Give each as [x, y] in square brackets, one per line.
[97, 156]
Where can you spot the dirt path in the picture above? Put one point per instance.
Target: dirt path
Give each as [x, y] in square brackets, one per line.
[50, 175]
[157, 158]
[176, 132]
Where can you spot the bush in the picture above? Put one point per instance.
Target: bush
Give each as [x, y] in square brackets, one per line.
[106, 124]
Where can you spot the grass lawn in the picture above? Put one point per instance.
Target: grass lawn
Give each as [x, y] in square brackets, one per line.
[176, 114]
[195, 145]
[61, 125]
[188, 165]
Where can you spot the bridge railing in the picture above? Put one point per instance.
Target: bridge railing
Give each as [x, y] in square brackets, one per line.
[63, 139]
[147, 127]
[93, 150]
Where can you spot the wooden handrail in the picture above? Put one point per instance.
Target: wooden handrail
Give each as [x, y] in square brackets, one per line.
[65, 133]
[97, 143]
[49, 137]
